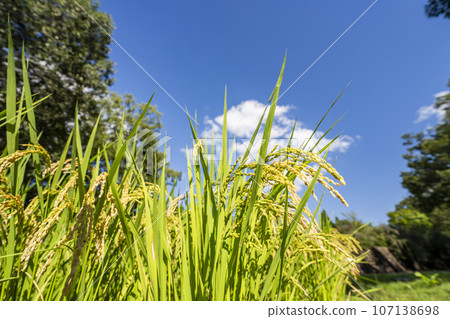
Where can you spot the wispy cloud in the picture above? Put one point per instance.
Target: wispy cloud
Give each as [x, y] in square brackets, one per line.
[426, 112]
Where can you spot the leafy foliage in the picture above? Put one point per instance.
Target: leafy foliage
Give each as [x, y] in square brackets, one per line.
[432, 280]
[435, 8]
[407, 287]
[68, 59]
[423, 218]
[367, 234]
[121, 113]
[67, 55]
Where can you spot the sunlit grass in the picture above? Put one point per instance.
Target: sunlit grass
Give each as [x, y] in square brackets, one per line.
[406, 287]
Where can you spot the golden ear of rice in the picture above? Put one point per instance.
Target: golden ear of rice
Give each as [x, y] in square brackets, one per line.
[7, 161]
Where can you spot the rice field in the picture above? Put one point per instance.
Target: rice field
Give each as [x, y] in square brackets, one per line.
[87, 227]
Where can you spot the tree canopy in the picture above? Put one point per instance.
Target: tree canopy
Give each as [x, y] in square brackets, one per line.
[436, 8]
[423, 217]
[68, 61]
[67, 56]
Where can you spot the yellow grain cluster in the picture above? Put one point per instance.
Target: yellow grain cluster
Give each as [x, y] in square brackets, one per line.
[281, 168]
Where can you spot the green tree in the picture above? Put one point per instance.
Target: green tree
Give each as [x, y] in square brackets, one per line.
[435, 8]
[122, 112]
[67, 54]
[367, 234]
[68, 58]
[423, 218]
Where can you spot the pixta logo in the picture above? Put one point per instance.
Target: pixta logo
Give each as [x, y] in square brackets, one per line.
[148, 151]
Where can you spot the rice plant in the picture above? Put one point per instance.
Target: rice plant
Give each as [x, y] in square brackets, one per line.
[86, 227]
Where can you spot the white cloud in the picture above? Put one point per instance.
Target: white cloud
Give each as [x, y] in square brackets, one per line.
[442, 94]
[426, 112]
[241, 124]
[243, 118]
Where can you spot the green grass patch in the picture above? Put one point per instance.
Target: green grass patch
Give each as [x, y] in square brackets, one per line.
[407, 287]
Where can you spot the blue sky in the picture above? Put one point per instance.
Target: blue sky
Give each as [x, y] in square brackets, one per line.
[395, 57]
